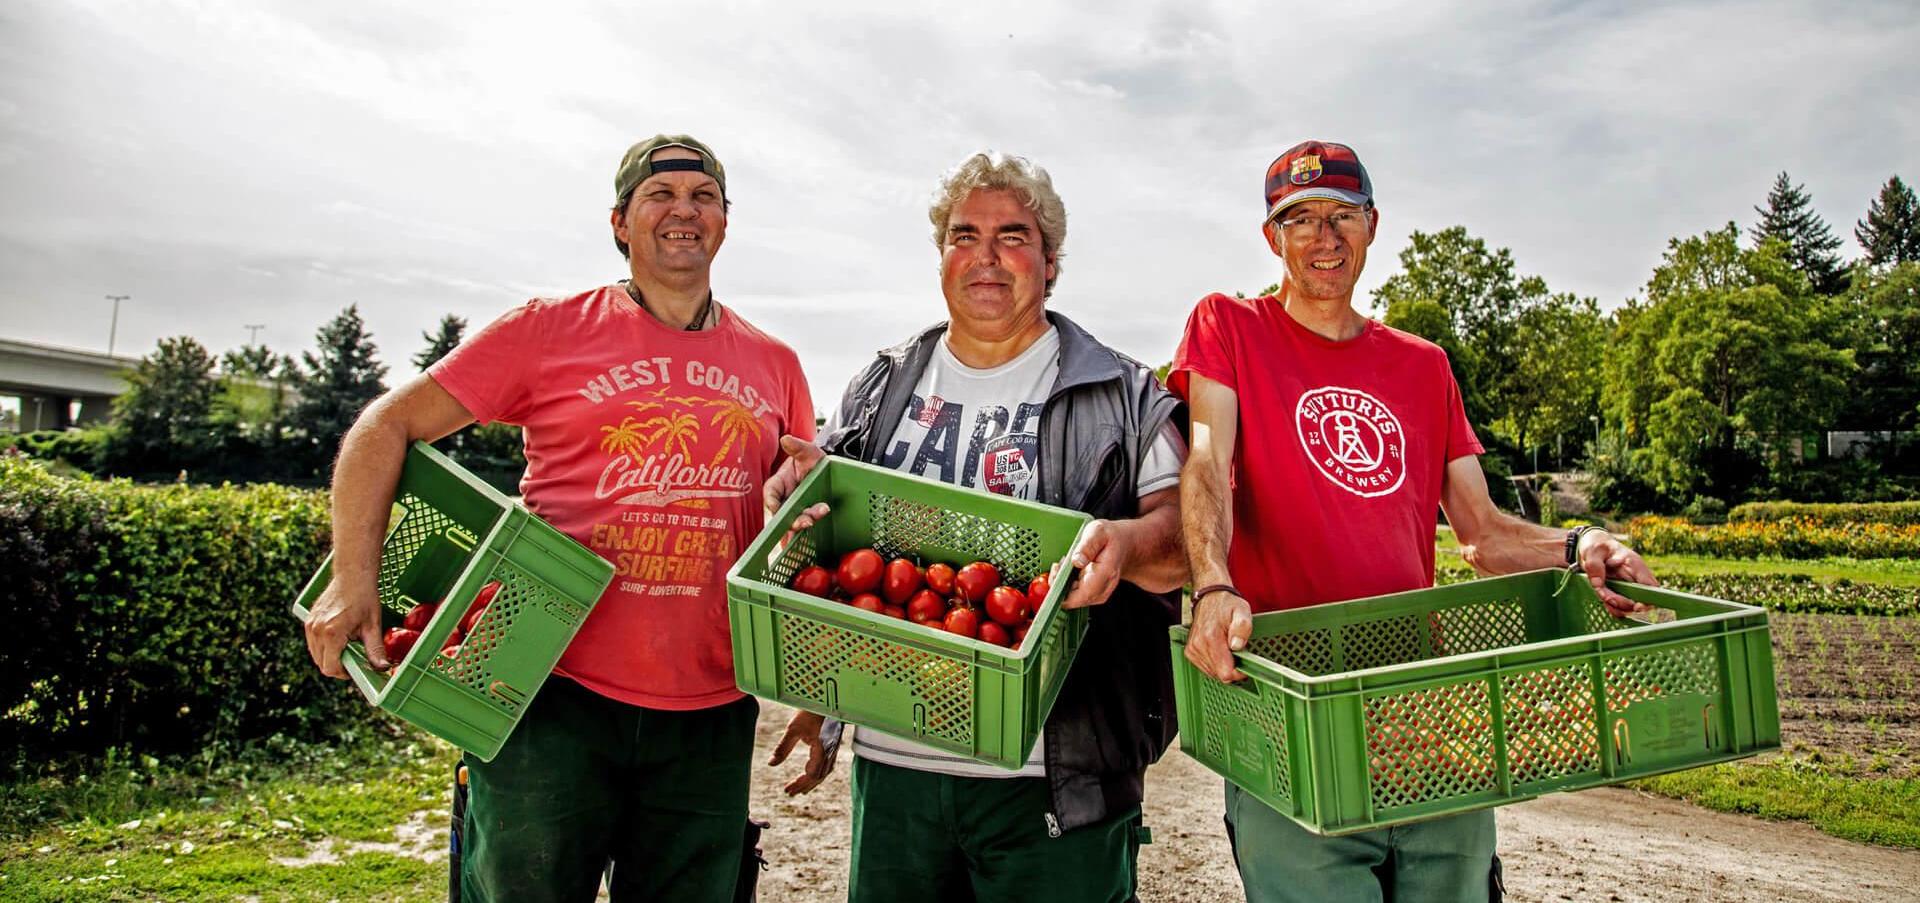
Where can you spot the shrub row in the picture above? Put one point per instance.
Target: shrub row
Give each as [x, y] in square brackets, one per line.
[155, 617]
[1796, 538]
[1795, 593]
[1904, 513]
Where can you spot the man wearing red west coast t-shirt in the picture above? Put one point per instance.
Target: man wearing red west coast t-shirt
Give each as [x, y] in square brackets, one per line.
[1323, 445]
[651, 415]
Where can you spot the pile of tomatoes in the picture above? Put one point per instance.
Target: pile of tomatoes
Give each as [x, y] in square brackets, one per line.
[972, 600]
[401, 640]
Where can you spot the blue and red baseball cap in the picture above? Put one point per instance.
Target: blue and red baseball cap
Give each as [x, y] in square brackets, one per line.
[1317, 170]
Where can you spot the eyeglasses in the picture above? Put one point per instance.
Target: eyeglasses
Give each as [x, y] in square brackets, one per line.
[1349, 222]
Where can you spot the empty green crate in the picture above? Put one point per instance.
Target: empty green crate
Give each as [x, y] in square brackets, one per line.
[966, 696]
[1362, 714]
[452, 535]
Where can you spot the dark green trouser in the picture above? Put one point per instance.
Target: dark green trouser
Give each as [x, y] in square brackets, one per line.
[942, 839]
[1434, 861]
[586, 779]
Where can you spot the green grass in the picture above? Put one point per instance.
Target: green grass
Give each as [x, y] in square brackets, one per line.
[1865, 809]
[182, 832]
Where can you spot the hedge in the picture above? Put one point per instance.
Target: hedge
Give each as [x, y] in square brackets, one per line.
[155, 617]
[1901, 513]
[1796, 538]
[1794, 593]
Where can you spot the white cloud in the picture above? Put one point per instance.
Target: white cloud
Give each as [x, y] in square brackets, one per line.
[230, 163]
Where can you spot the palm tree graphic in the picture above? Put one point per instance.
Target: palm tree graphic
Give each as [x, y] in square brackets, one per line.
[623, 439]
[672, 431]
[734, 422]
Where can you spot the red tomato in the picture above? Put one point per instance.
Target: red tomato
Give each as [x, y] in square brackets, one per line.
[1020, 633]
[451, 652]
[453, 639]
[995, 634]
[963, 621]
[867, 602]
[940, 578]
[894, 611]
[935, 623]
[1006, 605]
[976, 579]
[926, 605]
[398, 641]
[814, 581]
[901, 581]
[859, 571]
[1037, 592]
[481, 600]
[417, 617]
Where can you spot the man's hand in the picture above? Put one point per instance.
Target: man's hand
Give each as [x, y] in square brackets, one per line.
[342, 614]
[1101, 556]
[1222, 624]
[1602, 556]
[806, 727]
[801, 457]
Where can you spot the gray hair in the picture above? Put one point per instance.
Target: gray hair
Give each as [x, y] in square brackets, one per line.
[992, 170]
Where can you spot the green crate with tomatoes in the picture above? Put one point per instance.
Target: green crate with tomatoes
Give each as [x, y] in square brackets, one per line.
[916, 608]
[1363, 714]
[479, 598]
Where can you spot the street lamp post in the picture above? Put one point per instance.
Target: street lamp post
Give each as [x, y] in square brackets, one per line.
[113, 330]
[1596, 430]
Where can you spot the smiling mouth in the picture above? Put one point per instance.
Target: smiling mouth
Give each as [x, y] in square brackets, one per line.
[1327, 264]
[681, 236]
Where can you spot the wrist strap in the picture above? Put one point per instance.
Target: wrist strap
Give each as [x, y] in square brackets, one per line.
[1573, 541]
[1210, 588]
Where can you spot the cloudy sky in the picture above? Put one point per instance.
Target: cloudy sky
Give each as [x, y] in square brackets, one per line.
[269, 163]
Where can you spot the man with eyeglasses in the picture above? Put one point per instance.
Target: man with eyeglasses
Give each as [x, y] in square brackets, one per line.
[1323, 445]
[652, 415]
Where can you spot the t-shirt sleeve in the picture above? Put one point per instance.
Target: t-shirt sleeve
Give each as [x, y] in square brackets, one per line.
[1160, 469]
[1461, 441]
[1206, 348]
[490, 374]
[799, 403]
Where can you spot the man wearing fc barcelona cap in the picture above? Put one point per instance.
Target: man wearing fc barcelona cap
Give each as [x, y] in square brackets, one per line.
[1324, 444]
[651, 415]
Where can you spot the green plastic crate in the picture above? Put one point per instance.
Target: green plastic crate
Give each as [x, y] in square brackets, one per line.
[452, 535]
[965, 696]
[1378, 711]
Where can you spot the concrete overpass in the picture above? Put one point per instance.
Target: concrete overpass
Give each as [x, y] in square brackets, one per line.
[60, 387]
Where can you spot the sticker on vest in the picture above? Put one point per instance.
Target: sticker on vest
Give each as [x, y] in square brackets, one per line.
[1352, 439]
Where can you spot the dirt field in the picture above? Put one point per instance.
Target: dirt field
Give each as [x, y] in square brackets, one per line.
[1849, 689]
[1608, 845]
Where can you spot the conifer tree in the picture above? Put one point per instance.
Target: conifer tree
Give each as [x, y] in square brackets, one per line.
[1811, 245]
[336, 380]
[1891, 232]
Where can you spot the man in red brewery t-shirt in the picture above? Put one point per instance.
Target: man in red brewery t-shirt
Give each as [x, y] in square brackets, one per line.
[651, 416]
[1324, 444]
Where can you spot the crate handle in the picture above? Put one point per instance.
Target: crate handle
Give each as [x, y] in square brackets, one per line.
[507, 692]
[1622, 740]
[1706, 719]
[461, 537]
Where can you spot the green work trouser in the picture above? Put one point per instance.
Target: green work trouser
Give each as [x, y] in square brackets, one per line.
[935, 838]
[585, 780]
[1434, 861]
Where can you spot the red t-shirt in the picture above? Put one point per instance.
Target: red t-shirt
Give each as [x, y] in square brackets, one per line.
[1342, 450]
[649, 445]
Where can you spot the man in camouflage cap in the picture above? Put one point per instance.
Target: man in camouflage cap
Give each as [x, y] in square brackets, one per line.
[636, 752]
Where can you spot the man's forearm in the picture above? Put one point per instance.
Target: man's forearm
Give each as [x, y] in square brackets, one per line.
[364, 478]
[1512, 545]
[1207, 520]
[1157, 563]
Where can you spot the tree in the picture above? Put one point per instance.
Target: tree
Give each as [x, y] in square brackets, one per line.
[1886, 310]
[1556, 373]
[1891, 232]
[162, 421]
[252, 396]
[1724, 365]
[335, 382]
[1789, 216]
[1481, 296]
[442, 343]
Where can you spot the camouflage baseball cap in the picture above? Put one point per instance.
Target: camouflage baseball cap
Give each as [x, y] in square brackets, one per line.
[638, 164]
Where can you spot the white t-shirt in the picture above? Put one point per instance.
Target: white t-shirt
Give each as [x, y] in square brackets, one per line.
[981, 429]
